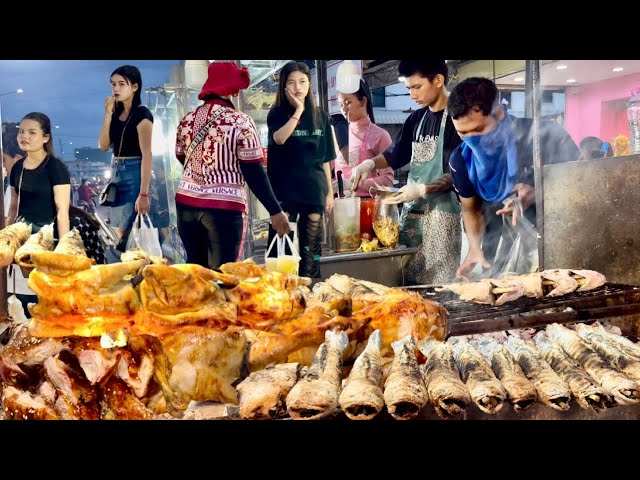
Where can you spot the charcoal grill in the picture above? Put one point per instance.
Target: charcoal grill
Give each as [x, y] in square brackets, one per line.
[611, 300]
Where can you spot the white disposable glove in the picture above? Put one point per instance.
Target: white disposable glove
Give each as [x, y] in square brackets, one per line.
[361, 172]
[408, 193]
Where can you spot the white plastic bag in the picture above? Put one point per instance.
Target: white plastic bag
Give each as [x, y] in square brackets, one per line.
[285, 263]
[144, 236]
[517, 250]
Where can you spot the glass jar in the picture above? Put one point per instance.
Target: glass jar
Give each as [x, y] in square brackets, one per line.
[386, 222]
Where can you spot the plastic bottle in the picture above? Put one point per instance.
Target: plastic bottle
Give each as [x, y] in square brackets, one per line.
[633, 115]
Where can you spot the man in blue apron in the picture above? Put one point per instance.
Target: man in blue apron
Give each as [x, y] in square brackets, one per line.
[430, 217]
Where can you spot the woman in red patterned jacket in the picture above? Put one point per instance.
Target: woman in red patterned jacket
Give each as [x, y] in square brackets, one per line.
[220, 150]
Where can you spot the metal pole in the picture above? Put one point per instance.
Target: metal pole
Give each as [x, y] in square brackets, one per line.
[323, 92]
[533, 91]
[4, 307]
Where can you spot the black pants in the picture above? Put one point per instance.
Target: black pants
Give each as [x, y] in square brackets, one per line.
[309, 237]
[210, 236]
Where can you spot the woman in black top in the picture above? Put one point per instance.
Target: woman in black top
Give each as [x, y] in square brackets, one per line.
[300, 149]
[40, 183]
[127, 129]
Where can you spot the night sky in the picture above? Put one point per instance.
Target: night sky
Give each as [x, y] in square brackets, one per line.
[71, 93]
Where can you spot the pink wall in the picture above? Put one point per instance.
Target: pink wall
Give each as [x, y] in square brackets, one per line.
[598, 109]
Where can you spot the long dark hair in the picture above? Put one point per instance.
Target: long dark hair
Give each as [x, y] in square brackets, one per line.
[365, 92]
[45, 125]
[281, 97]
[132, 75]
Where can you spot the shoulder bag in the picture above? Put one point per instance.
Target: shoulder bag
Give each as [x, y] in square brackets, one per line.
[109, 193]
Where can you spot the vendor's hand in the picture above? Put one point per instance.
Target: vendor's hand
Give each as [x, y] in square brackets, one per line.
[361, 172]
[526, 198]
[142, 204]
[109, 105]
[408, 193]
[280, 223]
[469, 263]
[329, 205]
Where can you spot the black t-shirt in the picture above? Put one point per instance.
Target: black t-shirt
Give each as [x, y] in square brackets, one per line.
[130, 143]
[37, 203]
[399, 154]
[295, 168]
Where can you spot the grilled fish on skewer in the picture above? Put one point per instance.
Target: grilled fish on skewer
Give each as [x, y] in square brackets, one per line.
[609, 350]
[521, 393]
[552, 390]
[42, 241]
[262, 394]
[627, 346]
[316, 395]
[404, 391]
[362, 398]
[587, 392]
[11, 239]
[485, 389]
[447, 393]
[625, 390]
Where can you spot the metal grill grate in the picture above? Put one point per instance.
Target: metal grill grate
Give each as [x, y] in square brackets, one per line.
[465, 318]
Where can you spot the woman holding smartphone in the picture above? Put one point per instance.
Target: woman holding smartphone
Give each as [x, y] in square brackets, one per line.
[127, 129]
[301, 148]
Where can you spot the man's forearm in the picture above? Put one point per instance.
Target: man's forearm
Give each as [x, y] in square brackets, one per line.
[474, 227]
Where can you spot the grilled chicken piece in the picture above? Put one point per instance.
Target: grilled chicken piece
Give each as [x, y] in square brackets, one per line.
[67, 258]
[477, 292]
[588, 279]
[399, 314]
[361, 295]
[561, 282]
[306, 330]
[532, 283]
[19, 405]
[267, 301]
[119, 404]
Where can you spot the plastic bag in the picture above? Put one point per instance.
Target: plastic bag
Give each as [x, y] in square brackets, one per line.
[144, 236]
[284, 262]
[517, 250]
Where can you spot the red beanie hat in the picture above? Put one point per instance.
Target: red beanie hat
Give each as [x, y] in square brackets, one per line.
[224, 79]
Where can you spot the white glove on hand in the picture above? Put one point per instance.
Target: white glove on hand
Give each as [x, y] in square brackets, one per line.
[361, 172]
[408, 193]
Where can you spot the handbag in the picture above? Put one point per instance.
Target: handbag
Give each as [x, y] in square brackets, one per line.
[109, 193]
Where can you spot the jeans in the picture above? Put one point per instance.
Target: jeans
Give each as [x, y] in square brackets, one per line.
[126, 174]
[211, 237]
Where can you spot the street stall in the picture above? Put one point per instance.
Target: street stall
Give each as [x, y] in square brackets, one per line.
[145, 339]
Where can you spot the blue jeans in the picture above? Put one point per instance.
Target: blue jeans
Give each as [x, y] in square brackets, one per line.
[126, 174]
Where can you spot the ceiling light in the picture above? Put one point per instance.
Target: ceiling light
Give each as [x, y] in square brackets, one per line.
[617, 69]
[518, 79]
[572, 80]
[561, 67]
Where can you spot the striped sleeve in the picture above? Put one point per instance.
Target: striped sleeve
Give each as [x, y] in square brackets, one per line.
[248, 147]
